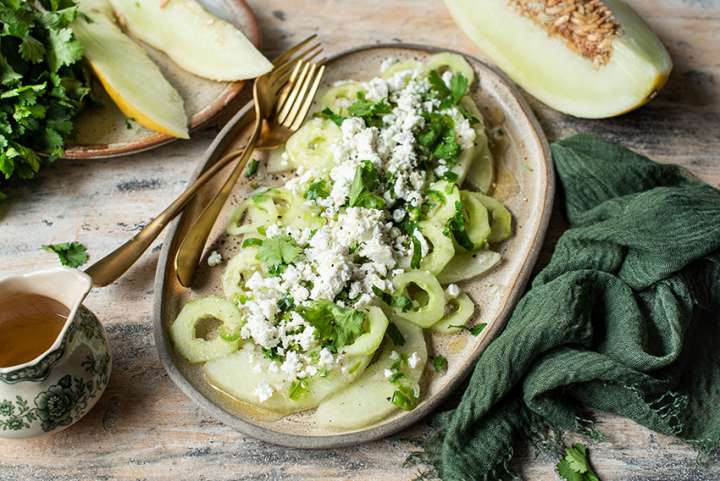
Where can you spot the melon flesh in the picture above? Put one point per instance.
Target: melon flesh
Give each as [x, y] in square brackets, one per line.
[559, 76]
[194, 39]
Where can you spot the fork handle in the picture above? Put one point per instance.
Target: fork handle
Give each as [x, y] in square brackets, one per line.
[109, 268]
[191, 249]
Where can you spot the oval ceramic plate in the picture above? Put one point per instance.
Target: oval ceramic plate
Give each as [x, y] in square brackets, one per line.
[524, 183]
[103, 131]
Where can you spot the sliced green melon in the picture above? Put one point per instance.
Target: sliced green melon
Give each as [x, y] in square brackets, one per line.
[368, 399]
[467, 265]
[184, 330]
[461, 310]
[236, 376]
[193, 38]
[618, 69]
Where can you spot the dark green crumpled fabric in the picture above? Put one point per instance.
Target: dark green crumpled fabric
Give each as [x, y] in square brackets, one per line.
[625, 318]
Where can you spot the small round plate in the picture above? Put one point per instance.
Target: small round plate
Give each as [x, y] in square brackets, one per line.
[103, 131]
[524, 182]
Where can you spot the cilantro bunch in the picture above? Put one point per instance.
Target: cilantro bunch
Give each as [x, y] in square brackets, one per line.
[43, 84]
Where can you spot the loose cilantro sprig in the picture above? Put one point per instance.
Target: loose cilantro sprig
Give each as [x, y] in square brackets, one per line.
[277, 253]
[43, 84]
[474, 330]
[575, 466]
[71, 254]
[335, 326]
[365, 182]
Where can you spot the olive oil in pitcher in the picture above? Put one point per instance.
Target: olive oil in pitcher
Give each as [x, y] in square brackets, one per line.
[29, 325]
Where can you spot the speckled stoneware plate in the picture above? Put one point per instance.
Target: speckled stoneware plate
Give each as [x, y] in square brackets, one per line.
[103, 131]
[524, 183]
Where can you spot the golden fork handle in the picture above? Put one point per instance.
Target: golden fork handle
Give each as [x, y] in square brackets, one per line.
[109, 268]
[191, 249]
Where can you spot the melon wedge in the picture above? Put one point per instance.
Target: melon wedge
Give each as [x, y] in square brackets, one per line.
[130, 78]
[194, 39]
[565, 61]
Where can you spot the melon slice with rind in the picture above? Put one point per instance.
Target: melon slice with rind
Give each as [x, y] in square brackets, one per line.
[619, 77]
[129, 76]
[193, 38]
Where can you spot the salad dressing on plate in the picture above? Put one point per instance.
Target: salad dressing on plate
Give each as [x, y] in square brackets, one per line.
[29, 325]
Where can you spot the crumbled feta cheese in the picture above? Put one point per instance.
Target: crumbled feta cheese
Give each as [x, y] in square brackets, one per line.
[263, 391]
[214, 259]
[394, 356]
[398, 215]
[453, 290]
[387, 373]
[413, 360]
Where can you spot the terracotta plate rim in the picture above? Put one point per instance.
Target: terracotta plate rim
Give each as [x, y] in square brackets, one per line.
[200, 119]
[223, 139]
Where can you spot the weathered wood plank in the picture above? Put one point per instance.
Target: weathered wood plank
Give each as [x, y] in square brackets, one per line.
[145, 429]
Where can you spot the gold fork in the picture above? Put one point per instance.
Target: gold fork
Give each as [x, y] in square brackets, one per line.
[109, 268]
[278, 113]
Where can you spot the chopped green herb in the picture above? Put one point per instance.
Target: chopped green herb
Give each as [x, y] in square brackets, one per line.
[252, 168]
[456, 226]
[575, 466]
[71, 254]
[277, 252]
[335, 326]
[450, 176]
[404, 398]
[318, 190]
[297, 389]
[327, 113]
[365, 182]
[417, 252]
[400, 302]
[452, 95]
[128, 124]
[395, 335]
[474, 330]
[439, 363]
[271, 354]
[438, 138]
[286, 303]
[370, 112]
[251, 242]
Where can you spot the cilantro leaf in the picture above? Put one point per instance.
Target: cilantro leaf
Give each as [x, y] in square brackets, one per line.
[371, 112]
[438, 139]
[366, 181]
[417, 251]
[335, 326]
[327, 113]
[439, 363]
[456, 226]
[452, 95]
[277, 252]
[400, 302]
[458, 87]
[575, 466]
[252, 168]
[318, 190]
[474, 330]
[395, 335]
[71, 254]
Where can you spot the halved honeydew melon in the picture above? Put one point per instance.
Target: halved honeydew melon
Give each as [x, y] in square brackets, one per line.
[367, 400]
[193, 38]
[130, 78]
[237, 376]
[548, 67]
[196, 349]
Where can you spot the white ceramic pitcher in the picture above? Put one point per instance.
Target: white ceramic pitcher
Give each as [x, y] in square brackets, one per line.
[57, 388]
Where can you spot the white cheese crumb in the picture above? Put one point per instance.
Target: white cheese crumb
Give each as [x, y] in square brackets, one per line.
[388, 373]
[394, 356]
[413, 360]
[264, 391]
[214, 259]
[453, 290]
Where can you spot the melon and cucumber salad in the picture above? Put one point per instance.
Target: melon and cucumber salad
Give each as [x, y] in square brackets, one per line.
[343, 268]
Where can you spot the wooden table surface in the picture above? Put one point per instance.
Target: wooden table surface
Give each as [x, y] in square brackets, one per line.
[145, 429]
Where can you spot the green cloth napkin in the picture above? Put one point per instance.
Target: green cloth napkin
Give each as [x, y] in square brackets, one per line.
[625, 318]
